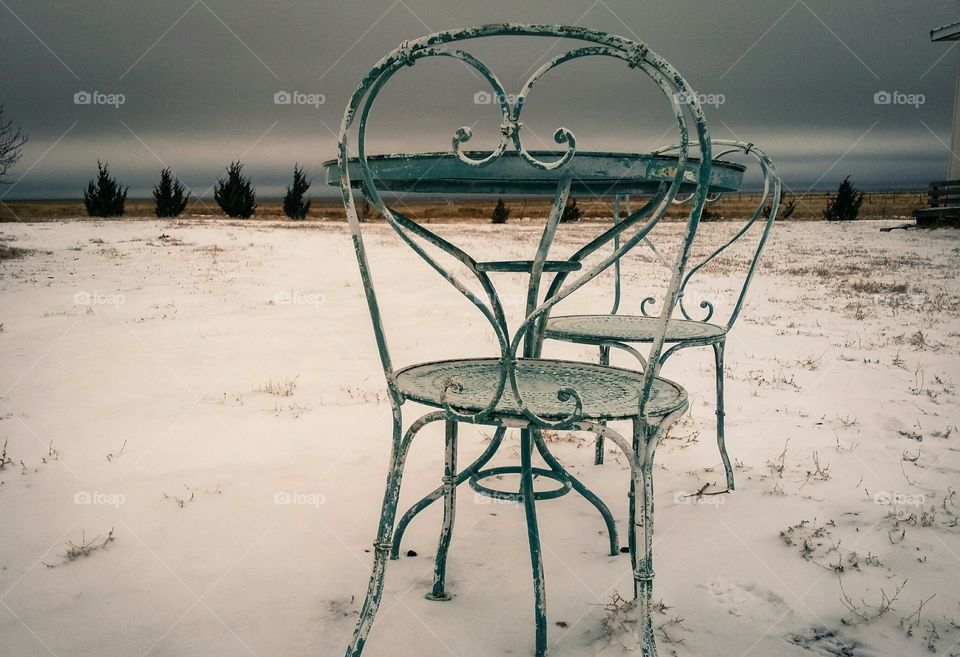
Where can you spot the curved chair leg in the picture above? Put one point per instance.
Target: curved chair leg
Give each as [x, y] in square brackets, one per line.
[578, 486]
[643, 573]
[437, 493]
[381, 546]
[641, 530]
[718, 361]
[533, 536]
[631, 523]
[598, 445]
[449, 511]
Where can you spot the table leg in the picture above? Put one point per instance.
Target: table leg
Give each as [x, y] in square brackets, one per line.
[598, 445]
[585, 492]
[533, 537]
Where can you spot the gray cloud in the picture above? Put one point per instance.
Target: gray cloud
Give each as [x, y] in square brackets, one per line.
[199, 78]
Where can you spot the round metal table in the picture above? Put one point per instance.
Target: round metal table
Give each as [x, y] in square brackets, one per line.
[596, 173]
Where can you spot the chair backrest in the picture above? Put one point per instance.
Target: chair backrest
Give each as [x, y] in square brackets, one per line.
[762, 217]
[692, 177]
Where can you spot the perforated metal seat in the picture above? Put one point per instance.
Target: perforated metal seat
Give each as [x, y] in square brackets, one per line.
[608, 393]
[595, 329]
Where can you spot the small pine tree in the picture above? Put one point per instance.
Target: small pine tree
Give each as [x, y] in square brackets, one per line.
[169, 199]
[709, 215]
[234, 194]
[788, 206]
[293, 204]
[500, 213]
[571, 212]
[845, 206]
[104, 197]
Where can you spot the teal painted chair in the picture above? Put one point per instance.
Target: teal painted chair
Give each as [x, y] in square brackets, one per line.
[618, 330]
[515, 387]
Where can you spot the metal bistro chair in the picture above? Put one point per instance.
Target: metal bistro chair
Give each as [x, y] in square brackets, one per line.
[516, 388]
[616, 330]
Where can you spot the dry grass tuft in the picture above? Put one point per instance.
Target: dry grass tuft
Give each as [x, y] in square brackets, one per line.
[279, 388]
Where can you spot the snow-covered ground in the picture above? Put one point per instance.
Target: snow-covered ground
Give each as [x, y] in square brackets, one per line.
[210, 392]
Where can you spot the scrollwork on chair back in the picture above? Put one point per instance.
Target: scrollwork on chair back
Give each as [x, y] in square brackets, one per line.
[767, 209]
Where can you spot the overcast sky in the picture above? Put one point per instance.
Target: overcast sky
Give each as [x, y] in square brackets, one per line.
[198, 80]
